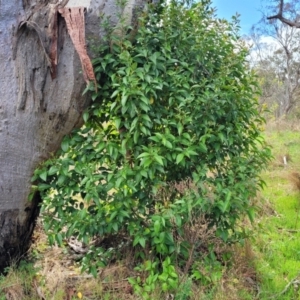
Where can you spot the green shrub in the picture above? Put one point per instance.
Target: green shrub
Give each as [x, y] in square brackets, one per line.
[171, 148]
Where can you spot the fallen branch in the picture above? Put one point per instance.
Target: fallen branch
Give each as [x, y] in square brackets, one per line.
[295, 281]
[289, 230]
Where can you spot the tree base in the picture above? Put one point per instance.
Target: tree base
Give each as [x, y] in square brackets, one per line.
[15, 236]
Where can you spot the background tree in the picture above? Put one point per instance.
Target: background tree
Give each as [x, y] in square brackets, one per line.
[40, 101]
[272, 90]
[276, 58]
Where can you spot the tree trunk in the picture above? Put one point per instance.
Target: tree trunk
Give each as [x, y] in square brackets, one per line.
[36, 111]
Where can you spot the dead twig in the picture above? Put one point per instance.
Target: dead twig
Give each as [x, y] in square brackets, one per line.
[289, 230]
[294, 281]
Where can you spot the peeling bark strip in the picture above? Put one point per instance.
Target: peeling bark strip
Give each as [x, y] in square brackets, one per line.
[53, 32]
[74, 18]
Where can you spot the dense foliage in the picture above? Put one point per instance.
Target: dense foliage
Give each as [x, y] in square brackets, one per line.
[170, 152]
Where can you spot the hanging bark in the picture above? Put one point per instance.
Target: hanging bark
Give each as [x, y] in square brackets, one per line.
[40, 100]
[74, 18]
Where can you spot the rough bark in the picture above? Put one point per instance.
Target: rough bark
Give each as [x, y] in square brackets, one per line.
[38, 107]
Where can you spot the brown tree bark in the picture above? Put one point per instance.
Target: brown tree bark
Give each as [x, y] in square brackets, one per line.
[38, 107]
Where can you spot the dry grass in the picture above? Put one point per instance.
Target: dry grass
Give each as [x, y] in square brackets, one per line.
[56, 276]
[60, 278]
[295, 179]
[12, 287]
[282, 125]
[240, 280]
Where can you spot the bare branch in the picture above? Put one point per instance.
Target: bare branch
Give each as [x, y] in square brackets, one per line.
[280, 17]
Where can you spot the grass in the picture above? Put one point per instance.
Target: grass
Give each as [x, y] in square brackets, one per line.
[277, 234]
[266, 267]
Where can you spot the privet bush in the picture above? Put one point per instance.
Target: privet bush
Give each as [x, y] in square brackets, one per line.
[170, 154]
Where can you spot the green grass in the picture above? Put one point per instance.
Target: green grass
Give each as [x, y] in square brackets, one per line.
[277, 238]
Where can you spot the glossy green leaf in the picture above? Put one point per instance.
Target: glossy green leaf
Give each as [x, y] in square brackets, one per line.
[65, 145]
[43, 175]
